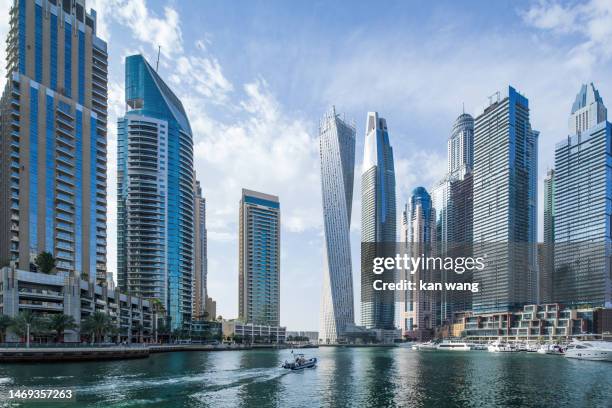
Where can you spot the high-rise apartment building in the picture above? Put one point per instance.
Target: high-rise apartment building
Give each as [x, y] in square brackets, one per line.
[452, 199]
[201, 254]
[53, 150]
[417, 308]
[155, 182]
[547, 255]
[378, 223]
[259, 259]
[337, 152]
[583, 205]
[505, 198]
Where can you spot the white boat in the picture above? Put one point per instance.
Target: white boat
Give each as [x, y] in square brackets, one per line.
[478, 346]
[551, 349]
[430, 345]
[590, 350]
[453, 345]
[498, 347]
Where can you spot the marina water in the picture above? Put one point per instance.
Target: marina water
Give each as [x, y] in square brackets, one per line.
[344, 377]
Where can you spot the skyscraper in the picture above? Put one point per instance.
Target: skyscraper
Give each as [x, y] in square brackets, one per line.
[259, 259]
[201, 254]
[452, 199]
[417, 318]
[583, 205]
[155, 182]
[337, 152]
[505, 164]
[53, 152]
[547, 264]
[378, 223]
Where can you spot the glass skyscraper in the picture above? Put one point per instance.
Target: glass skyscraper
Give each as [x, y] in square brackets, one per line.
[259, 259]
[155, 183]
[583, 205]
[453, 201]
[337, 152]
[417, 308]
[505, 198]
[547, 255]
[201, 254]
[53, 152]
[378, 223]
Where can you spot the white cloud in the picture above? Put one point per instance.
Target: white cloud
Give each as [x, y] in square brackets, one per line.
[591, 19]
[150, 29]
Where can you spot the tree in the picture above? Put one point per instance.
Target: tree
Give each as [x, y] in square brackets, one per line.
[45, 262]
[138, 327]
[5, 323]
[97, 325]
[20, 324]
[60, 323]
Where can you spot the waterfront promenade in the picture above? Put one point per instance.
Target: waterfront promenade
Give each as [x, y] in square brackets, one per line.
[66, 352]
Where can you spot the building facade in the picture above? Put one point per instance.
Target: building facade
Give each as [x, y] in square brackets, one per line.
[155, 183]
[547, 255]
[583, 205]
[378, 223]
[201, 254]
[417, 308]
[259, 259]
[452, 199]
[254, 333]
[53, 146]
[505, 202]
[46, 295]
[337, 152]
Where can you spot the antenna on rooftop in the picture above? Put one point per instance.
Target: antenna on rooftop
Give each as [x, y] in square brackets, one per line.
[158, 52]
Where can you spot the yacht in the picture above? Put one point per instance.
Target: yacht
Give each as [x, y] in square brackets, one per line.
[453, 345]
[550, 349]
[430, 345]
[498, 347]
[590, 350]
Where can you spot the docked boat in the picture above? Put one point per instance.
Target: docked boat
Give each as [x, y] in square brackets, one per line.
[499, 347]
[453, 345]
[551, 349]
[590, 350]
[300, 362]
[430, 345]
[478, 346]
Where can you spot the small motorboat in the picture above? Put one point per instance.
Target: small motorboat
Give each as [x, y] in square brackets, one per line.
[300, 362]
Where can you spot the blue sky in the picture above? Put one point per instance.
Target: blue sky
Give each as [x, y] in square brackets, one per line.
[255, 77]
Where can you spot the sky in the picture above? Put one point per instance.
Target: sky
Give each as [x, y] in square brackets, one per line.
[255, 78]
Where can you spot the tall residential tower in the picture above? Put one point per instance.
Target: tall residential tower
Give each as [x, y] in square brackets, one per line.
[155, 182]
[259, 259]
[378, 223]
[201, 255]
[337, 151]
[583, 205]
[505, 198]
[453, 201]
[53, 151]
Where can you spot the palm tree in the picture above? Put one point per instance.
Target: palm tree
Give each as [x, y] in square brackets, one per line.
[24, 319]
[5, 323]
[138, 327]
[97, 325]
[60, 323]
[45, 262]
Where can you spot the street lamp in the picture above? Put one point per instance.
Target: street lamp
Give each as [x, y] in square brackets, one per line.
[28, 335]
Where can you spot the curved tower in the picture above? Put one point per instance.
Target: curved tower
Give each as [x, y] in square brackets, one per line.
[377, 222]
[155, 180]
[337, 151]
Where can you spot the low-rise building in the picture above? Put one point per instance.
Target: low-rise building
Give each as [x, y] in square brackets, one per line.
[254, 333]
[312, 336]
[532, 322]
[48, 294]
